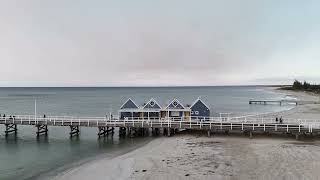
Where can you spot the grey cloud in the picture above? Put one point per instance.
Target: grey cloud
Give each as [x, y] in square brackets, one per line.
[107, 43]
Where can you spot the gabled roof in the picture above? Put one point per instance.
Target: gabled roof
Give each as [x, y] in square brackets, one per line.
[199, 100]
[152, 104]
[175, 104]
[129, 104]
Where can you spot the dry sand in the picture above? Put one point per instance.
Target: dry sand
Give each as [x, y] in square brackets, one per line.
[191, 157]
[218, 157]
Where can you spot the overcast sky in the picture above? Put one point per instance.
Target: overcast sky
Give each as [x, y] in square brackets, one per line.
[164, 42]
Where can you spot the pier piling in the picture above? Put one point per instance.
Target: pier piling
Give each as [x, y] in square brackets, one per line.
[102, 131]
[11, 128]
[74, 131]
[169, 132]
[122, 131]
[42, 129]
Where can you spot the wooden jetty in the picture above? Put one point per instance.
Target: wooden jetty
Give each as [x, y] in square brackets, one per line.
[280, 102]
[168, 126]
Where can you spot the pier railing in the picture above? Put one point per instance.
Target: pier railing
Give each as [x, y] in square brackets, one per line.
[244, 123]
[240, 119]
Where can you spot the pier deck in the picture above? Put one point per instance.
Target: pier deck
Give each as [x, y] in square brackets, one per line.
[243, 124]
[280, 102]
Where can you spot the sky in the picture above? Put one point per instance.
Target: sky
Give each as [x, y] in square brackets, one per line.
[158, 42]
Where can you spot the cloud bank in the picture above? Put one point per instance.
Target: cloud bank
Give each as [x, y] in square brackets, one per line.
[143, 43]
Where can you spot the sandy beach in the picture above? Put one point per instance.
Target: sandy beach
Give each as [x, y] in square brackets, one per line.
[196, 156]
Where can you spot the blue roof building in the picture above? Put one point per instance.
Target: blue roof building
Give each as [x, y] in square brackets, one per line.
[199, 110]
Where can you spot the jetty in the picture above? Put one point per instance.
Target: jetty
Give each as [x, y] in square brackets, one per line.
[165, 126]
[280, 102]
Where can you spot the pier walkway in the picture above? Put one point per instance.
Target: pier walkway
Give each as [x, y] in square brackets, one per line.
[280, 102]
[167, 126]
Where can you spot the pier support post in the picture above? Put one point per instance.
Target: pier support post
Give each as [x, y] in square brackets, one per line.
[297, 136]
[112, 131]
[209, 133]
[128, 131]
[147, 131]
[169, 132]
[155, 131]
[74, 131]
[42, 129]
[250, 135]
[226, 132]
[173, 131]
[133, 132]
[122, 131]
[107, 129]
[164, 131]
[11, 128]
[102, 131]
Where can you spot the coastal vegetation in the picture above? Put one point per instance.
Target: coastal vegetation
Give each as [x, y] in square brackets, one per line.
[302, 86]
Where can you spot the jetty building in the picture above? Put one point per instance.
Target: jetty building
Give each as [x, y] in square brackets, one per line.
[175, 110]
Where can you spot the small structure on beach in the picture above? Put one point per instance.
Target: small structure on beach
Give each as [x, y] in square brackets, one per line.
[175, 109]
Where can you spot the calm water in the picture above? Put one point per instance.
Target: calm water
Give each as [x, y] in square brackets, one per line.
[26, 157]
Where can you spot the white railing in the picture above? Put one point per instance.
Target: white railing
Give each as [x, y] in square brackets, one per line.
[238, 122]
[242, 119]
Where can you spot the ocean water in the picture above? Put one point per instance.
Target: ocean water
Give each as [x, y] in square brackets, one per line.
[26, 157]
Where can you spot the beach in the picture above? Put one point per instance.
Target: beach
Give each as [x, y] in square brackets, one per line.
[192, 157]
[196, 156]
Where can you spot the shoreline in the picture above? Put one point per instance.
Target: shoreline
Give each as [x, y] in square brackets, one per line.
[219, 157]
[72, 167]
[309, 110]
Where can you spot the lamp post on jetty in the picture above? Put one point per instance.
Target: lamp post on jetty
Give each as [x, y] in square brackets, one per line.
[35, 110]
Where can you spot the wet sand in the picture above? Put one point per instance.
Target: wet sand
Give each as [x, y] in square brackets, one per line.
[219, 157]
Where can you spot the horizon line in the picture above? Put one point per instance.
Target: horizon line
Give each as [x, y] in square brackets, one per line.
[164, 86]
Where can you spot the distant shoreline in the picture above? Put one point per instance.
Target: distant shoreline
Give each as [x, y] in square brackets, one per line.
[178, 86]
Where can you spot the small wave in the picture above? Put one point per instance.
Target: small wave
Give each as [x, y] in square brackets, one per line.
[289, 97]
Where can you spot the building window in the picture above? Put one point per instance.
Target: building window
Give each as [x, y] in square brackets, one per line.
[175, 103]
[175, 113]
[152, 103]
[197, 112]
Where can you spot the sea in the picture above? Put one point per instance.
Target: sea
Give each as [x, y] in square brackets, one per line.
[25, 156]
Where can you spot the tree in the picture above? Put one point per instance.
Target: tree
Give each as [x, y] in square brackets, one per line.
[297, 85]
